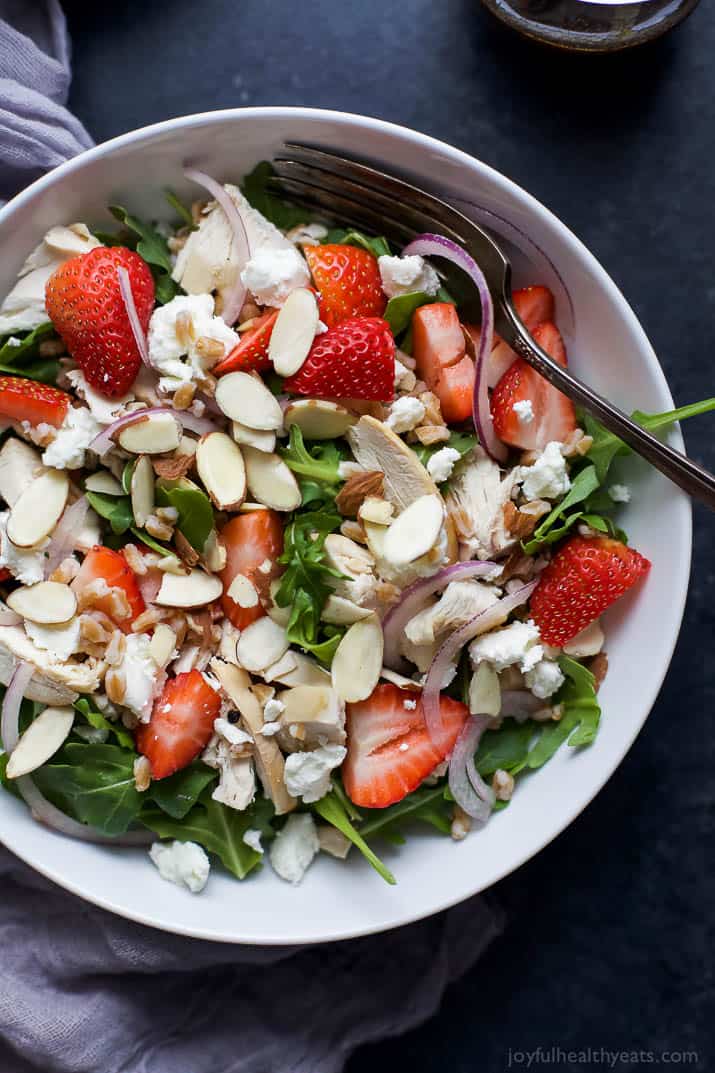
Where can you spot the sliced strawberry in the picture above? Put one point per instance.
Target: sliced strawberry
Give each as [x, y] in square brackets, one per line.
[554, 415]
[4, 573]
[181, 724]
[348, 279]
[534, 305]
[251, 353]
[251, 541]
[439, 351]
[355, 360]
[389, 749]
[103, 564]
[28, 400]
[585, 577]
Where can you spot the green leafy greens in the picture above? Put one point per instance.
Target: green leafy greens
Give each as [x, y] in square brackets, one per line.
[281, 213]
[340, 236]
[316, 468]
[196, 516]
[331, 809]
[22, 357]
[151, 245]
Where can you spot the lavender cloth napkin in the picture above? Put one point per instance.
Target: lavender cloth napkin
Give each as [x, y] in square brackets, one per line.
[84, 991]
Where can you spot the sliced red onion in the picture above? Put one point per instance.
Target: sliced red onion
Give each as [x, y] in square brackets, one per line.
[125, 288]
[414, 599]
[234, 297]
[465, 783]
[428, 245]
[9, 618]
[199, 425]
[9, 723]
[443, 661]
[519, 704]
[64, 537]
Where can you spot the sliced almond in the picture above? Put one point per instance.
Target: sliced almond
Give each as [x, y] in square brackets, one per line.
[243, 592]
[270, 480]
[283, 666]
[248, 508]
[246, 399]
[162, 644]
[318, 419]
[142, 490]
[588, 642]
[20, 463]
[304, 672]
[357, 662]
[187, 446]
[485, 691]
[415, 531]
[342, 612]
[293, 332]
[48, 603]
[399, 679]
[253, 437]
[40, 741]
[261, 644]
[214, 553]
[318, 706]
[281, 615]
[194, 589]
[39, 508]
[377, 510]
[103, 482]
[151, 435]
[220, 465]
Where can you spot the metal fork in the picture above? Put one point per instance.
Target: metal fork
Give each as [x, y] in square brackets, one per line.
[361, 195]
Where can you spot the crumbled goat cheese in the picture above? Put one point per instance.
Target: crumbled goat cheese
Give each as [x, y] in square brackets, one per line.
[271, 275]
[252, 838]
[322, 328]
[514, 644]
[294, 847]
[307, 775]
[142, 676]
[273, 709]
[58, 641]
[410, 705]
[103, 410]
[167, 351]
[403, 375]
[548, 477]
[73, 437]
[183, 863]
[307, 234]
[25, 565]
[441, 464]
[524, 410]
[231, 733]
[404, 275]
[425, 566]
[269, 729]
[544, 678]
[405, 414]
[346, 470]
[620, 493]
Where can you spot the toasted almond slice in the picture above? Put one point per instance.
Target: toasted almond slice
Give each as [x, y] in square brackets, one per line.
[261, 644]
[48, 603]
[342, 612]
[377, 510]
[246, 399]
[194, 589]
[103, 482]
[152, 435]
[357, 662]
[187, 446]
[318, 419]
[282, 667]
[20, 463]
[305, 672]
[253, 437]
[142, 490]
[39, 508]
[162, 644]
[214, 553]
[220, 465]
[293, 332]
[243, 592]
[415, 531]
[269, 479]
[485, 691]
[399, 679]
[40, 741]
[281, 615]
[314, 704]
[247, 508]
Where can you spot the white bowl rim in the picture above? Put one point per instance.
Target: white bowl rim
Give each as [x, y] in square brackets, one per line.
[681, 571]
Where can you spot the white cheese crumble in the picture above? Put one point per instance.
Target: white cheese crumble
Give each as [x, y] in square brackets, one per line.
[60, 642]
[294, 847]
[404, 275]
[307, 775]
[544, 678]
[269, 729]
[410, 705]
[73, 437]
[346, 470]
[231, 733]
[183, 863]
[142, 676]
[25, 564]
[620, 493]
[252, 838]
[273, 709]
[548, 477]
[272, 274]
[177, 360]
[405, 414]
[441, 464]
[514, 644]
[524, 410]
[103, 410]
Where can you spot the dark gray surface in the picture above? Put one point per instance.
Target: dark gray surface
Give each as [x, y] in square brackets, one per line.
[610, 932]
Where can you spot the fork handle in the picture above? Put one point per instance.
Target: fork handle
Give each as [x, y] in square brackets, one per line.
[681, 470]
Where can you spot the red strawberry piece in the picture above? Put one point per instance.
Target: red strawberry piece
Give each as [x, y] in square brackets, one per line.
[251, 540]
[585, 577]
[534, 305]
[554, 415]
[104, 564]
[4, 573]
[355, 360]
[85, 305]
[181, 724]
[389, 749]
[28, 400]
[439, 351]
[348, 279]
[251, 353]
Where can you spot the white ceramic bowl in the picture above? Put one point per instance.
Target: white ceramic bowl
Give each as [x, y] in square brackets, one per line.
[607, 347]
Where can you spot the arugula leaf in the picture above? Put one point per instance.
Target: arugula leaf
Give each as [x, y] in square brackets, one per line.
[505, 748]
[378, 247]
[152, 246]
[149, 542]
[332, 811]
[216, 827]
[552, 736]
[196, 516]
[399, 310]
[281, 213]
[117, 510]
[578, 695]
[23, 358]
[127, 474]
[180, 209]
[305, 585]
[177, 794]
[583, 484]
[100, 722]
[427, 804]
[329, 637]
[317, 468]
[94, 784]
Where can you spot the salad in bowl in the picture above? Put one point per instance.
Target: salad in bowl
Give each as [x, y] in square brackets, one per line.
[265, 594]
